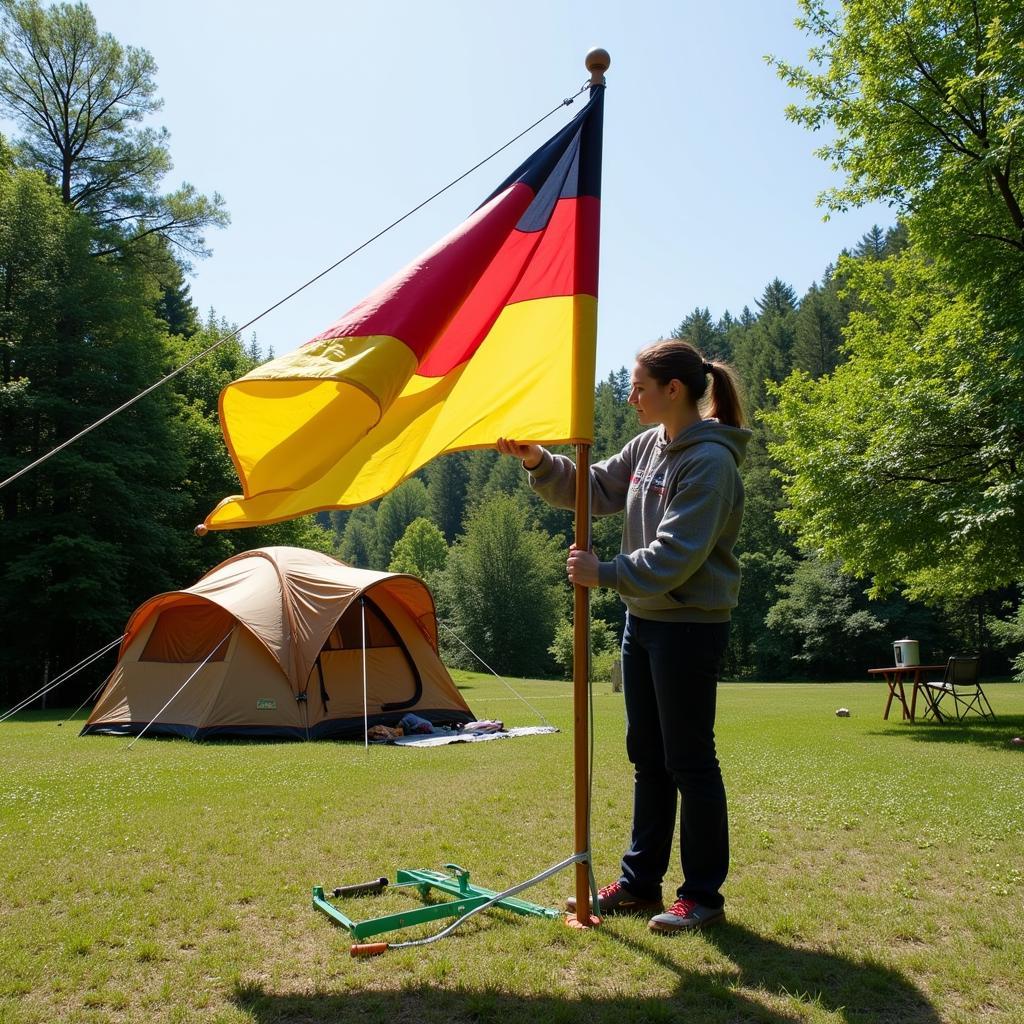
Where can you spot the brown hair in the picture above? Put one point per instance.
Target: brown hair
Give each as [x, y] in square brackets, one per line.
[675, 359]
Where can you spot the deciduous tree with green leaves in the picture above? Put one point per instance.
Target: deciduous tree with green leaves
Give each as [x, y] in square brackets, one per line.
[80, 99]
[926, 100]
[503, 588]
[904, 463]
[421, 550]
[603, 644]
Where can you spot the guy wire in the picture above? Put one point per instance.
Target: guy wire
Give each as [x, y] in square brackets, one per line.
[568, 101]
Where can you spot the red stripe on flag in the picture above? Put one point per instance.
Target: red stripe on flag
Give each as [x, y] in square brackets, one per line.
[565, 260]
[417, 302]
[560, 260]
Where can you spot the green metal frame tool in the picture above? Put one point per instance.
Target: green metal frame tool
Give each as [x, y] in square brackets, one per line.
[455, 883]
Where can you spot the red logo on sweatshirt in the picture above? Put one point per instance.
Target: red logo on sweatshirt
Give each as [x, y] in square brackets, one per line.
[650, 480]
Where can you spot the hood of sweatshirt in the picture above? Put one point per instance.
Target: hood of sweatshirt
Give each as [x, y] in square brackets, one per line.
[734, 439]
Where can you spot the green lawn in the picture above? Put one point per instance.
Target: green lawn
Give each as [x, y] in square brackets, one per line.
[878, 872]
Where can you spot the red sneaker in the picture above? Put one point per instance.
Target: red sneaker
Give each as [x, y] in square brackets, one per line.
[617, 899]
[685, 915]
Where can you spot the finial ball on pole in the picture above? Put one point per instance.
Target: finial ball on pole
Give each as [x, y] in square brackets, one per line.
[597, 62]
[201, 530]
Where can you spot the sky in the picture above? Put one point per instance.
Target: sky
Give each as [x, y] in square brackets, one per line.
[321, 122]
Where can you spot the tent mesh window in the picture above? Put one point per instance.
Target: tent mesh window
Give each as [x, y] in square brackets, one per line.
[186, 635]
[347, 634]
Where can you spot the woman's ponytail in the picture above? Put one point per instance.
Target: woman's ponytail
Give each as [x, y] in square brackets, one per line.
[726, 406]
[675, 359]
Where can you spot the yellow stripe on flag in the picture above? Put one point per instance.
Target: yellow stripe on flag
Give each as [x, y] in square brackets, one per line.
[531, 379]
[285, 422]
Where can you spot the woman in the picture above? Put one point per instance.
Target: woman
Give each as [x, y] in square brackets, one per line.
[680, 486]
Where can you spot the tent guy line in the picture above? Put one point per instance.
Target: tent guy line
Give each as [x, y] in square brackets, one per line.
[194, 673]
[512, 690]
[568, 101]
[62, 678]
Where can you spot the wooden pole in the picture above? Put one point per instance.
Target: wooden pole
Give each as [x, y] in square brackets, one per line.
[597, 62]
[580, 693]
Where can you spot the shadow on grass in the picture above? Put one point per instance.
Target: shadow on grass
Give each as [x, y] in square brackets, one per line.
[983, 732]
[856, 990]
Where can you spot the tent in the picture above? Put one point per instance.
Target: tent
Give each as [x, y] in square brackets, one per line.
[271, 643]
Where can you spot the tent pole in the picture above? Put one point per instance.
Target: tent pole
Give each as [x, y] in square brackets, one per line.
[366, 710]
[580, 690]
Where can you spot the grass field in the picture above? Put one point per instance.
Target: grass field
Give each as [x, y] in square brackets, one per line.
[878, 872]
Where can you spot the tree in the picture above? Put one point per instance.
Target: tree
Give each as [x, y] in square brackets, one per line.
[88, 535]
[872, 244]
[421, 550]
[777, 299]
[926, 99]
[506, 477]
[80, 97]
[755, 651]
[175, 306]
[603, 642]
[502, 588]
[825, 617]
[359, 541]
[904, 463]
[89, 296]
[763, 352]
[446, 491]
[397, 510]
[1009, 632]
[615, 421]
[700, 329]
[817, 333]
[479, 464]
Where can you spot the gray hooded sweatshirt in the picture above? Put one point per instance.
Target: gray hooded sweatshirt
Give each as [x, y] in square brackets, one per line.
[684, 505]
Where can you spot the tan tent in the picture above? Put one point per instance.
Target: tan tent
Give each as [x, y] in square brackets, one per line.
[271, 643]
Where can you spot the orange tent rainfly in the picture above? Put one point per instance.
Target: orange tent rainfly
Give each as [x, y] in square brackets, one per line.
[278, 642]
[489, 333]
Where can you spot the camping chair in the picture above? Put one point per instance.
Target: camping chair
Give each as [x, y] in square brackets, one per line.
[959, 681]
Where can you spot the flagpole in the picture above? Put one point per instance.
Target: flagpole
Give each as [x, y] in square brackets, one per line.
[597, 62]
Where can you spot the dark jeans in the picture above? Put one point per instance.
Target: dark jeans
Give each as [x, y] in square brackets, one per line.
[670, 677]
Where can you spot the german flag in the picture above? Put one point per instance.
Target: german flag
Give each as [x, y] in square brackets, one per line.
[489, 333]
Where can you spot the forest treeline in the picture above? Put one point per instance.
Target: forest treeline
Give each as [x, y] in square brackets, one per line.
[883, 482]
[470, 523]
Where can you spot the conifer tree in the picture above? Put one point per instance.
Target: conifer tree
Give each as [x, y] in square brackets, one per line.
[446, 492]
[871, 245]
[817, 333]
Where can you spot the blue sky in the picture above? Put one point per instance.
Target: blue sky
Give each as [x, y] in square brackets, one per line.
[321, 122]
